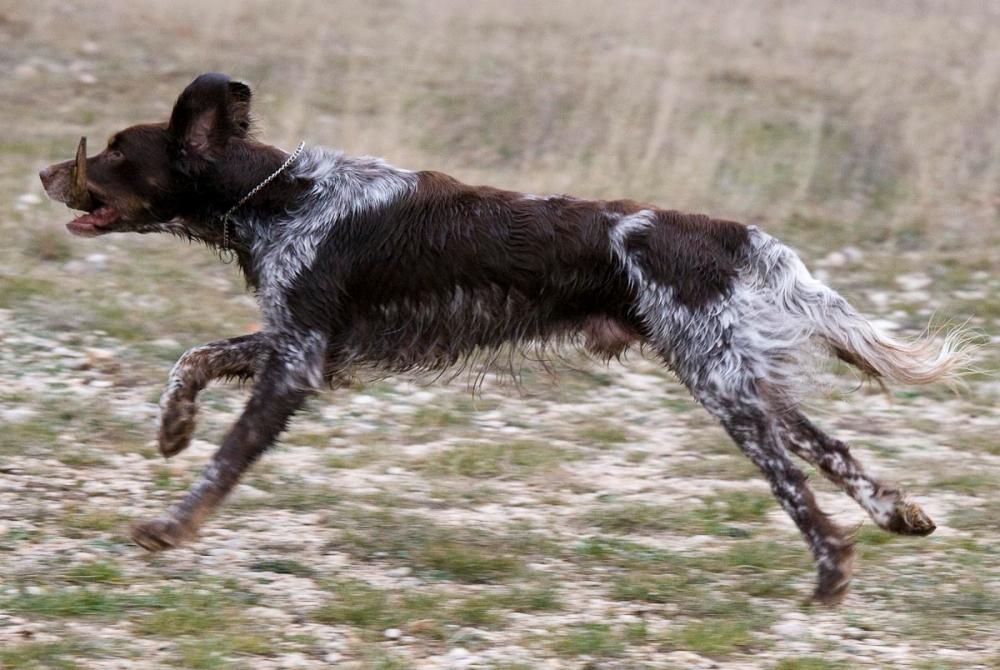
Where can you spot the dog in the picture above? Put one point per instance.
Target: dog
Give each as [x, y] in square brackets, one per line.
[360, 267]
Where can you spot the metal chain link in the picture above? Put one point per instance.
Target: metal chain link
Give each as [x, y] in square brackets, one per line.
[255, 190]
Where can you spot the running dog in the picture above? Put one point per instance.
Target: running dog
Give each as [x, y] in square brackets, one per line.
[362, 267]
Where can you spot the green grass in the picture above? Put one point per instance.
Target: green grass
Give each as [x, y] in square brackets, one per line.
[606, 434]
[463, 554]
[483, 461]
[96, 572]
[487, 609]
[621, 553]
[630, 518]
[48, 243]
[716, 637]
[290, 494]
[808, 663]
[44, 655]
[358, 604]
[729, 466]
[207, 623]
[711, 518]
[970, 483]
[356, 459]
[35, 433]
[182, 611]
[427, 612]
[82, 457]
[283, 566]
[218, 650]
[85, 522]
[469, 560]
[653, 587]
[646, 574]
[16, 290]
[376, 658]
[741, 506]
[93, 423]
[431, 420]
[69, 603]
[590, 639]
[979, 518]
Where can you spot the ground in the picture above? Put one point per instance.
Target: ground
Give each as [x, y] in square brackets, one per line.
[597, 519]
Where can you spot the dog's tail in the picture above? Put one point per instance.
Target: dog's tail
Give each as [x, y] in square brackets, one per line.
[822, 314]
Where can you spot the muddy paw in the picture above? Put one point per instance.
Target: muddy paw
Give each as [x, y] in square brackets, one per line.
[160, 534]
[832, 588]
[909, 519]
[177, 422]
[834, 582]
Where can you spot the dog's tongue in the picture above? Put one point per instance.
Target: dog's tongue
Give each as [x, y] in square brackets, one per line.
[94, 222]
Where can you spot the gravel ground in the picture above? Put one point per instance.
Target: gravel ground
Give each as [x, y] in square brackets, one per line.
[598, 521]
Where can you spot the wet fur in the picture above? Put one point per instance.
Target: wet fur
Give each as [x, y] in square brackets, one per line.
[363, 268]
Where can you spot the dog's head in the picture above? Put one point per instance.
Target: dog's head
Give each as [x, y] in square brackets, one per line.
[152, 174]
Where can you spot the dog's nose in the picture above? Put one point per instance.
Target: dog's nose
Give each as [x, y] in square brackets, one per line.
[45, 174]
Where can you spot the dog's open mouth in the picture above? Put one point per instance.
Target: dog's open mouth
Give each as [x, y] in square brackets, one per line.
[98, 215]
[94, 222]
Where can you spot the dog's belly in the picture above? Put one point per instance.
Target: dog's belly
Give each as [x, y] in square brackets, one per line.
[437, 331]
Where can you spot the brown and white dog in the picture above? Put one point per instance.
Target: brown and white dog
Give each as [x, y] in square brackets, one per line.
[360, 266]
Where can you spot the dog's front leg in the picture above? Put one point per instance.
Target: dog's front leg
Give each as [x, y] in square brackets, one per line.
[285, 379]
[236, 357]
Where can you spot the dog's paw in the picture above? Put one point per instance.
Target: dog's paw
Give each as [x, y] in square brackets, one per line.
[835, 576]
[832, 588]
[177, 422]
[909, 519]
[160, 534]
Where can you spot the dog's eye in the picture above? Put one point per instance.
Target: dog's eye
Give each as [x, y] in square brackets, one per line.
[115, 155]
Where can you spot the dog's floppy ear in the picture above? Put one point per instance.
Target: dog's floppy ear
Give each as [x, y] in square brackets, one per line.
[212, 109]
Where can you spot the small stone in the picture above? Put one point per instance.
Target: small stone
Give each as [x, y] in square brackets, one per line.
[790, 629]
[166, 343]
[294, 661]
[914, 281]
[853, 254]
[25, 71]
[393, 633]
[834, 259]
[17, 414]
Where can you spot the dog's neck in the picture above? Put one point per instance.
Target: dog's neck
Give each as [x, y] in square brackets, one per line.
[245, 165]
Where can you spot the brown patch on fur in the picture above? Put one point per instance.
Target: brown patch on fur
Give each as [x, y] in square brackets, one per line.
[608, 338]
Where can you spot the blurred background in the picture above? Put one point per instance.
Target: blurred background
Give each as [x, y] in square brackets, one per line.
[602, 521]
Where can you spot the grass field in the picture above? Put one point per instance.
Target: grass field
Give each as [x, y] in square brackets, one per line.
[602, 521]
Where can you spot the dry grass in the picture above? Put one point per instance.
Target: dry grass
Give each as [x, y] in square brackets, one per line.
[875, 119]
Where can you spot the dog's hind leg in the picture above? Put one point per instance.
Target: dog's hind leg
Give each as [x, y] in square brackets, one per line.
[887, 505]
[236, 357]
[747, 418]
[283, 382]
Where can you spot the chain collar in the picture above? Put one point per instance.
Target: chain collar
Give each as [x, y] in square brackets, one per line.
[254, 191]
